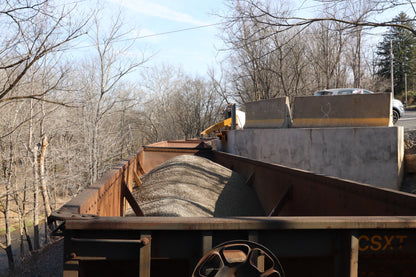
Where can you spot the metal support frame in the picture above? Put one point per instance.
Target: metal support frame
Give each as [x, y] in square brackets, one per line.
[253, 236]
[206, 242]
[145, 255]
[346, 254]
[71, 268]
[284, 198]
[354, 254]
[131, 200]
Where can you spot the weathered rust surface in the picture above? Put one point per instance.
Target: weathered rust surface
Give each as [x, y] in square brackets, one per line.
[159, 153]
[180, 144]
[316, 195]
[105, 197]
[319, 226]
[245, 223]
[313, 252]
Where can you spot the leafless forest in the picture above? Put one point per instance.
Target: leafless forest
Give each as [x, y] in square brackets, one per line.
[65, 119]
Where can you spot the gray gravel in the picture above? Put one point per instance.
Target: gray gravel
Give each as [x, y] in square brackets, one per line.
[46, 262]
[192, 186]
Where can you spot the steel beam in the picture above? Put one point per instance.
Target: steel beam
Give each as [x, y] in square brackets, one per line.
[145, 255]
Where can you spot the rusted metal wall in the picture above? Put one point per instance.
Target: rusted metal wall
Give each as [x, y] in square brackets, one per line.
[300, 193]
[318, 226]
[106, 196]
[305, 246]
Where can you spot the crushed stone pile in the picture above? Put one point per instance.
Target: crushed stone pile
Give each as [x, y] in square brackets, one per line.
[192, 186]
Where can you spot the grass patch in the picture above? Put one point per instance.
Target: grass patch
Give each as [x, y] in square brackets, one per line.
[3, 231]
[29, 223]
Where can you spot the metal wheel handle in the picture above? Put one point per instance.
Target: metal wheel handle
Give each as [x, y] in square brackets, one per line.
[239, 258]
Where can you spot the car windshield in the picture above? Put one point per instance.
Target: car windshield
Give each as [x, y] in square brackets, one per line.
[323, 92]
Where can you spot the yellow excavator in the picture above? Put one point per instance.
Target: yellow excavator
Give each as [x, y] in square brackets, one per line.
[233, 119]
[217, 126]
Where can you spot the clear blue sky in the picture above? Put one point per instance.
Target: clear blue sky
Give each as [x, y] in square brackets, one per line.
[195, 49]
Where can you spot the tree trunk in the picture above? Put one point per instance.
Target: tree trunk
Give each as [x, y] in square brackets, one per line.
[21, 235]
[94, 154]
[25, 229]
[7, 218]
[357, 60]
[34, 149]
[122, 136]
[27, 235]
[43, 187]
[36, 241]
[8, 246]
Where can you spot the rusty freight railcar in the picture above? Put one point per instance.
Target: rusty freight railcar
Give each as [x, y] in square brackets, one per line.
[312, 225]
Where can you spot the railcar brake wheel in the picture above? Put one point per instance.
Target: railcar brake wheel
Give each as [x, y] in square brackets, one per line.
[240, 259]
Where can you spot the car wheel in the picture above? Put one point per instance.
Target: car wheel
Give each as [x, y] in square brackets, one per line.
[396, 116]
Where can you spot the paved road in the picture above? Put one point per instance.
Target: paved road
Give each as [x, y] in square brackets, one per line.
[408, 121]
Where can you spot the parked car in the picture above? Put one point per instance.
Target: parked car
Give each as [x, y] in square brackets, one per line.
[397, 105]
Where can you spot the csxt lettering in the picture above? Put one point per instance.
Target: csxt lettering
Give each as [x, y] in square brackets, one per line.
[381, 242]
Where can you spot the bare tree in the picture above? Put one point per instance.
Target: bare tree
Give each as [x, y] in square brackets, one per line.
[158, 83]
[178, 106]
[5, 204]
[260, 12]
[103, 77]
[325, 52]
[195, 107]
[269, 59]
[264, 62]
[36, 29]
[9, 178]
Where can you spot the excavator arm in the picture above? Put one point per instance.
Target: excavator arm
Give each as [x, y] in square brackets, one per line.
[217, 126]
